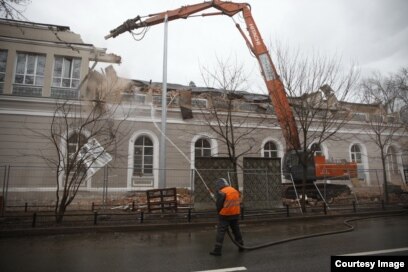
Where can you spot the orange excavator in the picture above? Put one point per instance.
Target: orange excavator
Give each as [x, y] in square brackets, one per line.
[317, 168]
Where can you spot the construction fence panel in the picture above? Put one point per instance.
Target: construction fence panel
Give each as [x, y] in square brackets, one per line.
[262, 190]
[262, 183]
[208, 171]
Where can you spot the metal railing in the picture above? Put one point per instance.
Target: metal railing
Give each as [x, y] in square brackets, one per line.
[30, 220]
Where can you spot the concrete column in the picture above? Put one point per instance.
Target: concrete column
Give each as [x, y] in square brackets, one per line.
[10, 69]
[49, 64]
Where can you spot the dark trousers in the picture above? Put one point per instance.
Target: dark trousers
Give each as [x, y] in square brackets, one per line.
[223, 225]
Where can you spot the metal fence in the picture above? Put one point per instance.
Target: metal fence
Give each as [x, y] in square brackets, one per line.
[34, 188]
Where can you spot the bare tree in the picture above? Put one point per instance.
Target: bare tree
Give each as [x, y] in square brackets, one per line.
[316, 86]
[227, 79]
[381, 90]
[401, 81]
[84, 135]
[13, 9]
[383, 126]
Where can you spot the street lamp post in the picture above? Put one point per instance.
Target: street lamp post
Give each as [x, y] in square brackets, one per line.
[162, 161]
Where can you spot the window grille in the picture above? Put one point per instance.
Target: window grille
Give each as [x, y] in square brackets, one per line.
[29, 74]
[66, 78]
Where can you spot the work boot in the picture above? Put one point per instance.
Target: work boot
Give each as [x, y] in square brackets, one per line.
[216, 251]
[240, 249]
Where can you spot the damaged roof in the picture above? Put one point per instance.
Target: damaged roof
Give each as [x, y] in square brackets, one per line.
[251, 98]
[55, 35]
[247, 96]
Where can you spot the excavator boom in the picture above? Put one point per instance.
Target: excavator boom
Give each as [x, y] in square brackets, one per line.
[256, 44]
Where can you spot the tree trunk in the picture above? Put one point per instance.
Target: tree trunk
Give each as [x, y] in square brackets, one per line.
[60, 211]
[234, 178]
[303, 200]
[385, 184]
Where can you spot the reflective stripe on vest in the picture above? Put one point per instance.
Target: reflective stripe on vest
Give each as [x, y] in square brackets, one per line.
[231, 203]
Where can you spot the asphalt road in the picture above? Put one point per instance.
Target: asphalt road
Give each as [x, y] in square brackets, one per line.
[188, 250]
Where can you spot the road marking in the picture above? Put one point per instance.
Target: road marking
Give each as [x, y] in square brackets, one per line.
[377, 252]
[232, 269]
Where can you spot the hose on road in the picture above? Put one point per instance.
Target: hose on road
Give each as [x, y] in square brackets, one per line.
[349, 227]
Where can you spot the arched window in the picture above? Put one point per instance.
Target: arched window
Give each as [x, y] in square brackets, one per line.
[356, 153]
[270, 150]
[75, 142]
[143, 156]
[317, 149]
[202, 148]
[76, 168]
[392, 160]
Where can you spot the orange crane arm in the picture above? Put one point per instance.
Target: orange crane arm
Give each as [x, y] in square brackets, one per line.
[256, 44]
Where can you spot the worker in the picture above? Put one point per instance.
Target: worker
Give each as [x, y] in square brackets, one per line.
[228, 208]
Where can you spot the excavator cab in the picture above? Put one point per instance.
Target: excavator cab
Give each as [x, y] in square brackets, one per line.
[293, 168]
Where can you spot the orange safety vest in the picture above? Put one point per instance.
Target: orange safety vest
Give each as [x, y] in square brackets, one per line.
[231, 203]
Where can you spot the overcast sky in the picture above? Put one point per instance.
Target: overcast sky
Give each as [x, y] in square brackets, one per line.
[372, 33]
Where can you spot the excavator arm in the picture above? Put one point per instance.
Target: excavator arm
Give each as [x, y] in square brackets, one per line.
[226, 8]
[256, 44]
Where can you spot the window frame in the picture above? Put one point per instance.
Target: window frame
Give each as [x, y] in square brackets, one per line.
[3, 71]
[201, 103]
[267, 153]
[318, 151]
[392, 160]
[36, 74]
[77, 144]
[143, 157]
[72, 148]
[62, 74]
[3, 56]
[356, 156]
[202, 149]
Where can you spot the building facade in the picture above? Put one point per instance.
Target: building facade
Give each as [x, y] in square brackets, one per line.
[44, 65]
